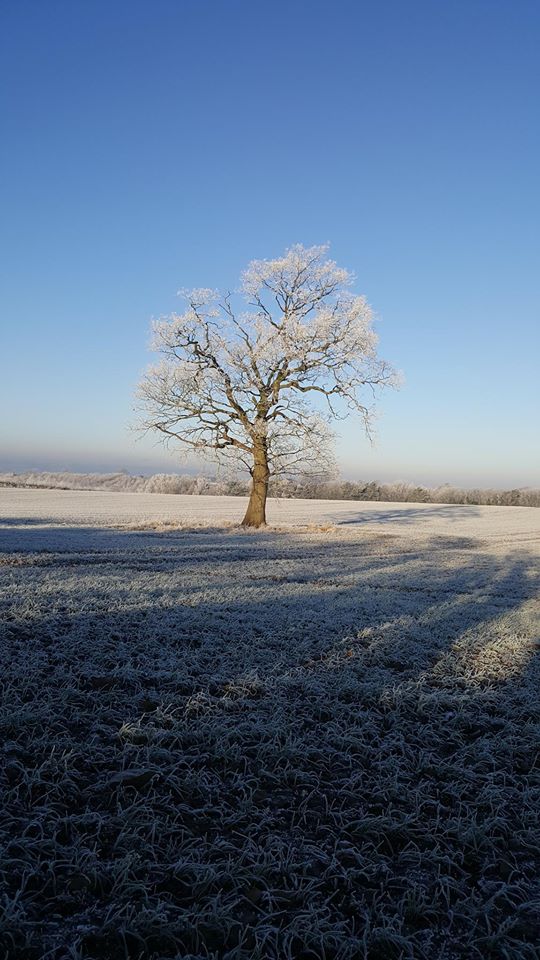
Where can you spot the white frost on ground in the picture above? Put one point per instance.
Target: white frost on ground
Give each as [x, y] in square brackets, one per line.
[511, 525]
[317, 740]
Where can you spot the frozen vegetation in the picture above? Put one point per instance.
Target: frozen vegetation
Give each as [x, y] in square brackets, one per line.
[123, 482]
[319, 740]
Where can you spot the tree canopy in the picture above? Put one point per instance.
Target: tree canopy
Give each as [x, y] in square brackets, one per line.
[263, 383]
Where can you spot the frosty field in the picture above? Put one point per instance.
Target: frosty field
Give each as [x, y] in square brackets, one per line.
[316, 741]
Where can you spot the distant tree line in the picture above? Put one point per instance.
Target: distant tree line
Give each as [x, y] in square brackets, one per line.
[307, 488]
[408, 493]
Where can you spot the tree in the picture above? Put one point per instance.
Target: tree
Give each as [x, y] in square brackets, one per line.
[262, 385]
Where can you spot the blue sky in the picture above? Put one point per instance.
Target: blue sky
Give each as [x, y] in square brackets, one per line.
[149, 146]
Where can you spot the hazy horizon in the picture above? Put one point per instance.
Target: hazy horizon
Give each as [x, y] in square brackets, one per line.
[168, 465]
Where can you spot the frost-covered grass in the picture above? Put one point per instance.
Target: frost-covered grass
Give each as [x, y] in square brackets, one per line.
[300, 743]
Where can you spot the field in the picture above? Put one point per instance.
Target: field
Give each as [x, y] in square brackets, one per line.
[316, 741]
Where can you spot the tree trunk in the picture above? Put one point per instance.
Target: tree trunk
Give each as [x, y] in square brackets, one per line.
[256, 509]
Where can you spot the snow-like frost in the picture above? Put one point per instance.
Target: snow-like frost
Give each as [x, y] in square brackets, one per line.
[271, 744]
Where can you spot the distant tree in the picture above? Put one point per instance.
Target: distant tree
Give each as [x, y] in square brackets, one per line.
[247, 383]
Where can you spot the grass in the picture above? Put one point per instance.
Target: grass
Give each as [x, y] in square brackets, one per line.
[287, 745]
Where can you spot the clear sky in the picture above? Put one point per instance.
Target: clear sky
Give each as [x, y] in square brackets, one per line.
[161, 144]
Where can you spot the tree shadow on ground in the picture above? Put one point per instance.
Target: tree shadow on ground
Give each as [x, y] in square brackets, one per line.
[409, 514]
[255, 746]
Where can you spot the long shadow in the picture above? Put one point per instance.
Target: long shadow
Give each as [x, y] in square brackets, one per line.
[222, 744]
[410, 514]
[281, 593]
[27, 522]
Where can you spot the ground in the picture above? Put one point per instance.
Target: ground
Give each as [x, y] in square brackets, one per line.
[320, 740]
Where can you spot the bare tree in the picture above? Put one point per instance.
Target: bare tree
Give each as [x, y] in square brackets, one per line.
[262, 385]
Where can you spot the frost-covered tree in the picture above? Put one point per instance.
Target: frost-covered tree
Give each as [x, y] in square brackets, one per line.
[263, 384]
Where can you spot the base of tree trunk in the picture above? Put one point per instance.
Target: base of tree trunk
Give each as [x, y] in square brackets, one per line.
[250, 521]
[255, 515]
[253, 519]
